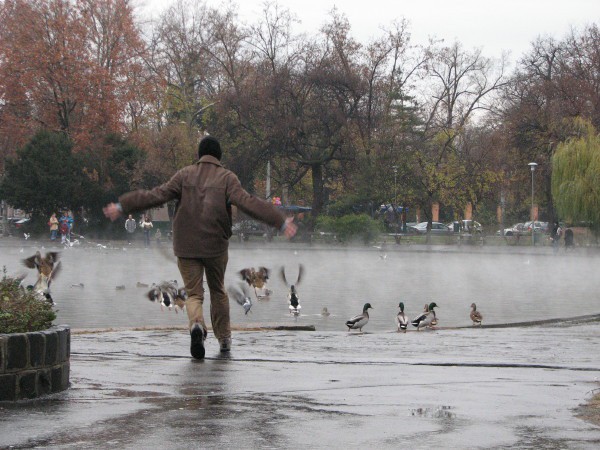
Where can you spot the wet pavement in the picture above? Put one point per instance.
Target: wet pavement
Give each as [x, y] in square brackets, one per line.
[463, 388]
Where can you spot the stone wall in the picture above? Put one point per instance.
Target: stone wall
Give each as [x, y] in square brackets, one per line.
[34, 364]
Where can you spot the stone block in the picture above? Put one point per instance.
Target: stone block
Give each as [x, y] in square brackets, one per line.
[56, 374]
[62, 344]
[44, 382]
[8, 387]
[37, 349]
[27, 384]
[16, 350]
[66, 370]
[68, 344]
[51, 348]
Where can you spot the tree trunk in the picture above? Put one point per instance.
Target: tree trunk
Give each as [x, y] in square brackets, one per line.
[318, 192]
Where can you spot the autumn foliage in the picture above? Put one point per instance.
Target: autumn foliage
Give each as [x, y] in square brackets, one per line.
[71, 66]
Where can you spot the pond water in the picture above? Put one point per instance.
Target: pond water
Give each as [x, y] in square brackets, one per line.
[507, 288]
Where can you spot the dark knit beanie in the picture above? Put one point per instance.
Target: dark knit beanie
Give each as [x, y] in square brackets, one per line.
[209, 146]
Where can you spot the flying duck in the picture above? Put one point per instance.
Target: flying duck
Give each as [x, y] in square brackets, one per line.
[241, 295]
[168, 294]
[401, 318]
[475, 315]
[48, 267]
[360, 320]
[426, 319]
[293, 298]
[257, 279]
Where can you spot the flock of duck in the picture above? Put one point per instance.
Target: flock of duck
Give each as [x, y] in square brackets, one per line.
[169, 295]
[427, 319]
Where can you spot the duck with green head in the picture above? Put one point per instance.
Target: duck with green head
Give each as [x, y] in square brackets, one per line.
[426, 319]
[360, 320]
[401, 319]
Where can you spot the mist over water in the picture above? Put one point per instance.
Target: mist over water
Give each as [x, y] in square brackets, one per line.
[507, 288]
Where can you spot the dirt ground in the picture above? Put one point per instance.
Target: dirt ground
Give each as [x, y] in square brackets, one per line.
[590, 412]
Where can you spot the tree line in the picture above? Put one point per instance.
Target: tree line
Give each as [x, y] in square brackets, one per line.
[93, 97]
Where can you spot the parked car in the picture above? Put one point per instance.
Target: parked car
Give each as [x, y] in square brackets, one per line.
[538, 227]
[436, 228]
[465, 226]
[518, 229]
[246, 228]
[18, 223]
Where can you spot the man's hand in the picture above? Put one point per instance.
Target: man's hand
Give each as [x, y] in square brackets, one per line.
[112, 211]
[290, 228]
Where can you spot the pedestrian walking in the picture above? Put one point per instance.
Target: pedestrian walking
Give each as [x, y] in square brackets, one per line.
[130, 226]
[53, 224]
[201, 230]
[147, 227]
[63, 227]
[556, 235]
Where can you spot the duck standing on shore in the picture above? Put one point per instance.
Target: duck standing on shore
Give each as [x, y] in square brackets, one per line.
[426, 319]
[401, 318]
[359, 321]
[475, 315]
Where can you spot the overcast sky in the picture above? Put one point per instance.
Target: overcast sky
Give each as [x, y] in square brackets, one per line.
[493, 25]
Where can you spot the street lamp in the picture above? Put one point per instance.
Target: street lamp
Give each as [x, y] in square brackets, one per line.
[395, 168]
[533, 165]
[395, 202]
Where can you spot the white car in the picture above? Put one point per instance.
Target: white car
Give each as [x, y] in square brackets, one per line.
[436, 228]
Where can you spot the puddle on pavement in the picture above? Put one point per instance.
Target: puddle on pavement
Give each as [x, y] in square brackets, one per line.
[440, 412]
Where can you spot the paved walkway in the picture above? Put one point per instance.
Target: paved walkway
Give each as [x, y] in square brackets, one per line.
[463, 388]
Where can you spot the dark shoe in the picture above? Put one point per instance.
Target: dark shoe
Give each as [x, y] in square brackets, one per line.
[197, 346]
[225, 345]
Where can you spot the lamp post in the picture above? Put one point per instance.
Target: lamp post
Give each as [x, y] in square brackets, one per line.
[395, 168]
[533, 165]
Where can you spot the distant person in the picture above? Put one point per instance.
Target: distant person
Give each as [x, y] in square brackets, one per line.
[147, 227]
[53, 224]
[201, 232]
[158, 236]
[130, 226]
[71, 223]
[569, 239]
[556, 235]
[63, 227]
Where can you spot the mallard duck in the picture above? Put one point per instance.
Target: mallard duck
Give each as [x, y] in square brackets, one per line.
[241, 295]
[325, 312]
[475, 315]
[294, 300]
[360, 320]
[45, 264]
[401, 318]
[257, 279]
[168, 294]
[48, 267]
[426, 319]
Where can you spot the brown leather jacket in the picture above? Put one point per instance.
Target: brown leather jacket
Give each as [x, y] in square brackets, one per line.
[205, 192]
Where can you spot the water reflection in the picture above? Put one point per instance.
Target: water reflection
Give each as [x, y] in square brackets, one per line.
[506, 288]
